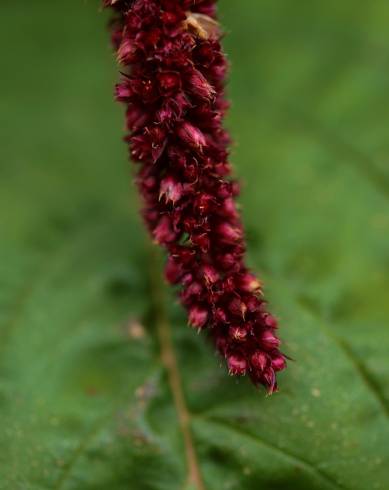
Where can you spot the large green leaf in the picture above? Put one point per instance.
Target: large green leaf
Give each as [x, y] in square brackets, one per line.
[85, 400]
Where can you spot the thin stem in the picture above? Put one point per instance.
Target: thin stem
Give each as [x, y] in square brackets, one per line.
[169, 361]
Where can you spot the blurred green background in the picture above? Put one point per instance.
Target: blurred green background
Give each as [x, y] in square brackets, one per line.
[84, 401]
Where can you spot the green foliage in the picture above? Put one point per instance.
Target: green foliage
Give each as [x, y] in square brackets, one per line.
[85, 402]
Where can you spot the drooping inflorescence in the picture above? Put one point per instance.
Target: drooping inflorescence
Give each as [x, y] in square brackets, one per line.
[173, 76]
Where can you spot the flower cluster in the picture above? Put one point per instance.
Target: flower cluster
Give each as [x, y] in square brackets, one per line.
[173, 75]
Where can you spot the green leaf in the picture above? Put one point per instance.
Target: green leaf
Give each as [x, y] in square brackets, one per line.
[102, 385]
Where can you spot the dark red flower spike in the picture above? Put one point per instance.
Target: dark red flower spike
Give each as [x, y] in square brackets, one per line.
[173, 81]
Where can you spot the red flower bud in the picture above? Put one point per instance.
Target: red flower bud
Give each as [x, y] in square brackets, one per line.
[201, 240]
[259, 360]
[248, 283]
[191, 135]
[253, 304]
[278, 363]
[171, 190]
[270, 321]
[169, 82]
[229, 233]
[199, 85]
[238, 333]
[210, 274]
[226, 261]
[136, 117]
[123, 92]
[221, 345]
[203, 203]
[237, 364]
[163, 232]
[187, 279]
[269, 340]
[220, 316]
[194, 289]
[198, 317]
[173, 271]
[270, 380]
[127, 51]
[237, 307]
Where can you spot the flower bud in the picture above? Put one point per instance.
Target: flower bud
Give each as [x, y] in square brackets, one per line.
[194, 289]
[229, 208]
[171, 190]
[136, 117]
[249, 283]
[148, 183]
[127, 51]
[269, 340]
[237, 364]
[220, 316]
[163, 232]
[229, 284]
[270, 321]
[210, 274]
[187, 279]
[123, 92]
[171, 18]
[203, 203]
[226, 261]
[259, 360]
[183, 254]
[229, 233]
[224, 190]
[221, 345]
[237, 307]
[191, 135]
[199, 85]
[278, 363]
[238, 333]
[173, 271]
[198, 317]
[201, 240]
[169, 82]
[149, 38]
[270, 380]
[253, 304]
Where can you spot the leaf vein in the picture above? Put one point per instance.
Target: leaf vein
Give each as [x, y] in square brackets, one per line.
[301, 462]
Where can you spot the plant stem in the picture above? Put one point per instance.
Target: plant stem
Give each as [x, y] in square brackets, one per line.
[169, 361]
